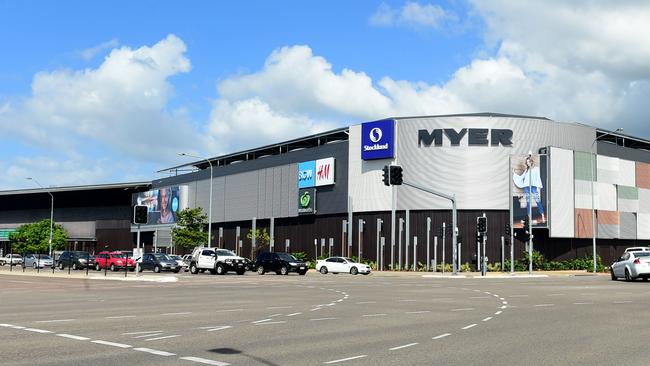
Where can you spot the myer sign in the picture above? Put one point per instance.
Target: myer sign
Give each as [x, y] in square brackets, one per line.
[474, 136]
[377, 140]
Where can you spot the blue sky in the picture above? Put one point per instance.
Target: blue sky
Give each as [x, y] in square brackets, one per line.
[98, 92]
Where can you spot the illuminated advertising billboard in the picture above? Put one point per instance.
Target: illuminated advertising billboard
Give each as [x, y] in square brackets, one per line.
[163, 203]
[529, 180]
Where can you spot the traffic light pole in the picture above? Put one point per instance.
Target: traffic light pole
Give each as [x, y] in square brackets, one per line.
[454, 219]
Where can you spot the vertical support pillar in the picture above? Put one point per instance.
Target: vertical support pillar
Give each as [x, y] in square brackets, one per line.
[272, 235]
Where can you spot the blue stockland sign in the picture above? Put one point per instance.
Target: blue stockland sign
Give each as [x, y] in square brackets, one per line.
[307, 174]
[377, 140]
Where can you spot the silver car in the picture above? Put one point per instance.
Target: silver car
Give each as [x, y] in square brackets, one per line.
[36, 261]
[631, 265]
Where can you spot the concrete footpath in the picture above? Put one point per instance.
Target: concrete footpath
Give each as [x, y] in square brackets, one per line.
[92, 275]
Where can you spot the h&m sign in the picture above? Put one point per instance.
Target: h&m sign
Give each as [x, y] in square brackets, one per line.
[475, 137]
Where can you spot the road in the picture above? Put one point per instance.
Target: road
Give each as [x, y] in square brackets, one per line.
[322, 320]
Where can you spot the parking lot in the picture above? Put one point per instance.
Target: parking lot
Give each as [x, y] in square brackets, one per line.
[381, 319]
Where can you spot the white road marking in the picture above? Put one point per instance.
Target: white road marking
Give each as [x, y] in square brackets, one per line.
[346, 359]
[462, 309]
[144, 332]
[181, 313]
[165, 337]
[371, 315]
[469, 326]
[120, 317]
[56, 321]
[37, 330]
[503, 307]
[261, 321]
[404, 346]
[500, 298]
[18, 327]
[319, 319]
[293, 314]
[71, 336]
[543, 305]
[583, 303]
[442, 336]
[219, 328]
[112, 344]
[418, 312]
[278, 314]
[488, 318]
[149, 335]
[6, 325]
[504, 302]
[154, 352]
[267, 323]
[498, 312]
[279, 307]
[204, 361]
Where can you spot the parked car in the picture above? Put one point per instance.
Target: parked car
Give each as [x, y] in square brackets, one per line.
[279, 262]
[341, 265]
[75, 260]
[631, 265]
[179, 260]
[113, 261]
[11, 259]
[217, 261]
[187, 259]
[38, 261]
[158, 262]
[637, 249]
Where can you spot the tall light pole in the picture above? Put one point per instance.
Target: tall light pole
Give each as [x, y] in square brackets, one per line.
[51, 211]
[210, 208]
[593, 176]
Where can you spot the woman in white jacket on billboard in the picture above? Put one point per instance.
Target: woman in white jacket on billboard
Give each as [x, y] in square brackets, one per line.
[530, 180]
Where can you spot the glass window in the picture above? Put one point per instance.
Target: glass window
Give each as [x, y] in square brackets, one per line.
[642, 254]
[287, 257]
[225, 252]
[331, 260]
[207, 252]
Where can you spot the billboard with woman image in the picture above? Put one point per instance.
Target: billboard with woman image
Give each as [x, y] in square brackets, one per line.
[163, 203]
[529, 188]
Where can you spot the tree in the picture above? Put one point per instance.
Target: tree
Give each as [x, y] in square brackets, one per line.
[189, 231]
[262, 238]
[35, 237]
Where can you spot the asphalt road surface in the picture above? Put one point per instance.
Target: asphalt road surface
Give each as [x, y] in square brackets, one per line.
[323, 320]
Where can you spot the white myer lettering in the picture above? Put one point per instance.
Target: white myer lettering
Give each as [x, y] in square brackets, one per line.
[375, 147]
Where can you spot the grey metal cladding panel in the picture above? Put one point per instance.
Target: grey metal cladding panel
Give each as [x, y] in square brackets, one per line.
[621, 152]
[268, 183]
[277, 192]
[261, 193]
[628, 225]
[338, 150]
[284, 199]
[333, 199]
[202, 197]
[241, 196]
[292, 206]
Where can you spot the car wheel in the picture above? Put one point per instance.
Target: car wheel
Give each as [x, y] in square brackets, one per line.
[611, 271]
[156, 269]
[354, 271]
[176, 270]
[284, 270]
[61, 266]
[323, 270]
[112, 267]
[241, 271]
[193, 269]
[140, 269]
[260, 270]
[221, 270]
[74, 266]
[34, 265]
[97, 268]
[365, 274]
[628, 277]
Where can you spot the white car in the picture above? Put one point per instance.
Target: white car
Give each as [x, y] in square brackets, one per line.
[35, 261]
[632, 265]
[637, 249]
[179, 260]
[11, 259]
[341, 265]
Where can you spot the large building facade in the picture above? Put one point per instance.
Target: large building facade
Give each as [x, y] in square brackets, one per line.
[323, 194]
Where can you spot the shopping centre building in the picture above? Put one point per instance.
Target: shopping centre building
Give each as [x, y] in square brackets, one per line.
[324, 193]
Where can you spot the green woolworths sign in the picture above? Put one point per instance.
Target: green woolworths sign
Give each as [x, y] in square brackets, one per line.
[4, 234]
[306, 201]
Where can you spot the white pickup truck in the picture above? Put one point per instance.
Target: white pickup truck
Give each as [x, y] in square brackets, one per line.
[11, 259]
[217, 261]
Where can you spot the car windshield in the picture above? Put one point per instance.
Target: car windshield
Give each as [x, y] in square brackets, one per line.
[160, 256]
[120, 255]
[43, 256]
[641, 254]
[287, 257]
[174, 257]
[349, 259]
[225, 252]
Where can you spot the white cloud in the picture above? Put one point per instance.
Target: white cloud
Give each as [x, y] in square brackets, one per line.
[89, 53]
[413, 15]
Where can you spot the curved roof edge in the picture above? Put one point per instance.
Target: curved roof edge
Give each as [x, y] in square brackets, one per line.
[133, 185]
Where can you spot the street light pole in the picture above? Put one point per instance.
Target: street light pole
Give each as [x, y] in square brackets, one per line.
[593, 176]
[51, 212]
[210, 199]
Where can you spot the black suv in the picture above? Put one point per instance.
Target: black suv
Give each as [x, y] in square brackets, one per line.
[159, 262]
[75, 259]
[280, 263]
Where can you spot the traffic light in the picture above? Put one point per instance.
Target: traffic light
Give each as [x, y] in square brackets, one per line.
[526, 225]
[140, 214]
[507, 229]
[481, 224]
[386, 176]
[395, 175]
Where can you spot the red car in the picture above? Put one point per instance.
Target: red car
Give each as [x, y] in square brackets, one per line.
[113, 261]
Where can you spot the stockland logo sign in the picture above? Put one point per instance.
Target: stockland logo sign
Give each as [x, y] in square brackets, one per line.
[377, 140]
[307, 174]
